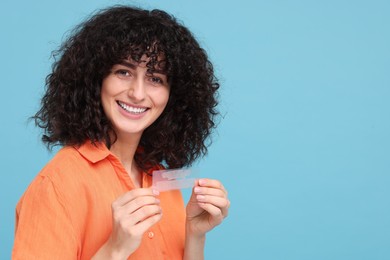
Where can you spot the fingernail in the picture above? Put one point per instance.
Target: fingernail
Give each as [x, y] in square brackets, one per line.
[202, 182]
[197, 190]
[156, 192]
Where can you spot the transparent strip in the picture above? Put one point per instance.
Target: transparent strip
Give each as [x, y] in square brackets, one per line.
[175, 179]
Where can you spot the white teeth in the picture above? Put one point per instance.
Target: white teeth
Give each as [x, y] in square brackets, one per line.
[134, 110]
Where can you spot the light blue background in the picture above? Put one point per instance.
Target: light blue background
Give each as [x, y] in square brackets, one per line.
[303, 146]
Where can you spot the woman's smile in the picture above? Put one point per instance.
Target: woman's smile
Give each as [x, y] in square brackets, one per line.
[131, 108]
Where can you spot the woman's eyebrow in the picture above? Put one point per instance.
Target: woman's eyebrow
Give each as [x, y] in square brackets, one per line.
[128, 64]
[162, 72]
[134, 66]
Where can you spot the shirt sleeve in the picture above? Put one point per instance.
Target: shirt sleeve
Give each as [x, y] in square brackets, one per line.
[44, 228]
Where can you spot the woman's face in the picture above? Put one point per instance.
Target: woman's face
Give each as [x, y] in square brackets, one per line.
[133, 98]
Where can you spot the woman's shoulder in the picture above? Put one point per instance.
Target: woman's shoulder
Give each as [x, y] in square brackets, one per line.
[67, 175]
[64, 161]
[72, 165]
[54, 177]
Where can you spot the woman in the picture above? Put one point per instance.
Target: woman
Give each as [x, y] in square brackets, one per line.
[131, 92]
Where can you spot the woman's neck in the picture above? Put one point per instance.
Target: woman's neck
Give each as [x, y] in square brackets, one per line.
[125, 150]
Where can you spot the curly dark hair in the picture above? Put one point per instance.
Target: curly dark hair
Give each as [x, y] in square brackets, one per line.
[71, 111]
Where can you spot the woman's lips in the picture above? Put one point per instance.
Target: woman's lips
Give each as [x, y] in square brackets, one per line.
[132, 109]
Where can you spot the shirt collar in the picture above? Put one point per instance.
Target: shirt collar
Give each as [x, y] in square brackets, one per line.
[93, 152]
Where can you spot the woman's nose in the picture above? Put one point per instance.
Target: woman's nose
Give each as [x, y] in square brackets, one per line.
[137, 89]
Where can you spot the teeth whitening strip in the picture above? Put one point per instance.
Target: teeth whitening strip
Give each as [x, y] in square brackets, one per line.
[164, 180]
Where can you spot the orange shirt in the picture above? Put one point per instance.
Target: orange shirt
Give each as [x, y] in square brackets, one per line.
[66, 211]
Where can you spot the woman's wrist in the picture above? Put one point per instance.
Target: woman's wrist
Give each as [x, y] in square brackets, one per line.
[194, 244]
[192, 233]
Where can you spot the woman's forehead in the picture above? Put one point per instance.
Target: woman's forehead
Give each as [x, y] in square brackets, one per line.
[156, 63]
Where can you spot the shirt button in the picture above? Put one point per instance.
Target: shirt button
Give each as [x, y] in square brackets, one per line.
[150, 234]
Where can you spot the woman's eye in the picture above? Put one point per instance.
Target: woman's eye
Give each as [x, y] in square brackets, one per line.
[157, 80]
[123, 73]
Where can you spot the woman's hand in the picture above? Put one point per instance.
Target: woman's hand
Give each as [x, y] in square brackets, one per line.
[133, 214]
[207, 207]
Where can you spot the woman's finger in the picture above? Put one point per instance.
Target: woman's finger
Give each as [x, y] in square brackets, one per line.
[216, 201]
[211, 184]
[209, 191]
[222, 203]
[138, 203]
[131, 195]
[143, 226]
[214, 211]
[213, 192]
[144, 213]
